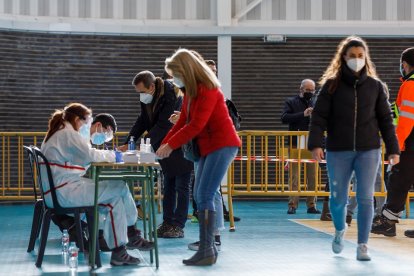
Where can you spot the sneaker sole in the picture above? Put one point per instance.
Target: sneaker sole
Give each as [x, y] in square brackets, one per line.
[118, 263]
[140, 249]
[363, 259]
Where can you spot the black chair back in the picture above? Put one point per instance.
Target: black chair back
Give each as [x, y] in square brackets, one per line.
[41, 160]
[31, 159]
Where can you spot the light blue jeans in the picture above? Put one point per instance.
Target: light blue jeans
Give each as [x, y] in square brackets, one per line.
[217, 203]
[352, 204]
[340, 166]
[209, 174]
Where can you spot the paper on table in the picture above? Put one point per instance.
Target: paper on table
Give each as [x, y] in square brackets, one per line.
[130, 157]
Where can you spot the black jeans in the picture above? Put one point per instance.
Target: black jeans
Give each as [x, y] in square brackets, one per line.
[401, 178]
[176, 199]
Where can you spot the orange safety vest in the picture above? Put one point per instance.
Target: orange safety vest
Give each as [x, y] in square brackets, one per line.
[405, 103]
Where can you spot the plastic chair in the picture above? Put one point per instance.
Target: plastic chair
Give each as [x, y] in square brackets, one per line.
[38, 207]
[41, 160]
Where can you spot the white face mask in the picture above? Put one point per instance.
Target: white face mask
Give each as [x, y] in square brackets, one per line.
[145, 98]
[355, 64]
[178, 82]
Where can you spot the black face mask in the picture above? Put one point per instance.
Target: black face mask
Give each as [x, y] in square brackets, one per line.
[307, 95]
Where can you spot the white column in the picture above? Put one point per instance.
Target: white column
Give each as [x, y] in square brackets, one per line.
[341, 10]
[190, 9]
[366, 10]
[1, 6]
[166, 9]
[224, 12]
[142, 9]
[34, 7]
[224, 63]
[316, 10]
[16, 7]
[118, 6]
[74, 8]
[412, 10]
[95, 8]
[266, 10]
[291, 10]
[53, 8]
[391, 10]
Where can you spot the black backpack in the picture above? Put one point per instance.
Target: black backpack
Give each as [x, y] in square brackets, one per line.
[234, 114]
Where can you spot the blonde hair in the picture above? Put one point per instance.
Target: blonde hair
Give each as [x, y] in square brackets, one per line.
[191, 70]
[333, 72]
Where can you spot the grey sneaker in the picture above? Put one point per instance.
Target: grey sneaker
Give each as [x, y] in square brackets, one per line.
[196, 245]
[174, 232]
[338, 241]
[362, 252]
[123, 258]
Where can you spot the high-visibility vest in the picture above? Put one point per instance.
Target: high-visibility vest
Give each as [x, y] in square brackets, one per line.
[395, 113]
[405, 104]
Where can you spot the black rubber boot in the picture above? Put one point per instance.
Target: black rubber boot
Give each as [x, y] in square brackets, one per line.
[206, 254]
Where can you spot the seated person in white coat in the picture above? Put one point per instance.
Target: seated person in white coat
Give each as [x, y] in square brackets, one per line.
[67, 147]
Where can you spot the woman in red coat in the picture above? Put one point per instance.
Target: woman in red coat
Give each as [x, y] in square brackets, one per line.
[205, 119]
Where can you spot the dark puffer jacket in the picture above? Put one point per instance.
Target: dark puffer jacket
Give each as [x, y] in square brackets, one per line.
[353, 116]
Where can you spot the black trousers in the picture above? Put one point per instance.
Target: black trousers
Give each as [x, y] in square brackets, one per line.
[400, 181]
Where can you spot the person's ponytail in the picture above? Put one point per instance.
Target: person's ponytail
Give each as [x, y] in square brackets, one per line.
[55, 123]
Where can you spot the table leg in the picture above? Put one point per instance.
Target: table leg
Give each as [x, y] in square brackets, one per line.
[143, 205]
[154, 223]
[92, 248]
[150, 209]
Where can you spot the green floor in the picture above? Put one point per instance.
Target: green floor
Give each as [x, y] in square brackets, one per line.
[266, 242]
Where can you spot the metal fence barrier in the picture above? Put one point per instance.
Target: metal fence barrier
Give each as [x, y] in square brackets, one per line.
[263, 168]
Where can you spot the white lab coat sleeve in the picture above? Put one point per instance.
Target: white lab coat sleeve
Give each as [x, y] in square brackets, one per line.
[83, 153]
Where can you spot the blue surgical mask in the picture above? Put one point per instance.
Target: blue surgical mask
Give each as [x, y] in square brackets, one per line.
[85, 131]
[178, 82]
[145, 98]
[98, 138]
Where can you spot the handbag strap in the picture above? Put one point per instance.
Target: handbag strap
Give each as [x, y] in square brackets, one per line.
[188, 111]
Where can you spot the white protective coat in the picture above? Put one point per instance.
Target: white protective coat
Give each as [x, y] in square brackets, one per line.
[70, 155]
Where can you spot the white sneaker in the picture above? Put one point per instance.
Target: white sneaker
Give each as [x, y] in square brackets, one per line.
[338, 241]
[362, 252]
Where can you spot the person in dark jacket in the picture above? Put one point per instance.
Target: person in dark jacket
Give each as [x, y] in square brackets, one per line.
[158, 100]
[353, 107]
[296, 113]
[401, 176]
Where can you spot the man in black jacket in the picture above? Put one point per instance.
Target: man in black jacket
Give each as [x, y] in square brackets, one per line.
[296, 113]
[159, 98]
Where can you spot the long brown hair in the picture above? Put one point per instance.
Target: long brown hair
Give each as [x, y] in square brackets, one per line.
[191, 70]
[68, 114]
[333, 72]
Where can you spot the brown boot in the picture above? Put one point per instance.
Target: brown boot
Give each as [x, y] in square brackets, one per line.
[326, 214]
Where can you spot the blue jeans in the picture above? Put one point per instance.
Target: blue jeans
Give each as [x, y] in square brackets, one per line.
[176, 199]
[340, 165]
[217, 203]
[209, 174]
[352, 204]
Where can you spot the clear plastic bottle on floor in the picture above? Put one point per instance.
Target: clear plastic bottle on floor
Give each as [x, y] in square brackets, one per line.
[73, 256]
[65, 241]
